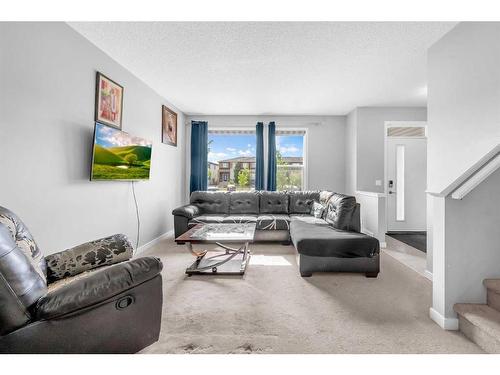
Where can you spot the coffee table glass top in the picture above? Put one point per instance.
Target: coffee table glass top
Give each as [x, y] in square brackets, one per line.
[243, 232]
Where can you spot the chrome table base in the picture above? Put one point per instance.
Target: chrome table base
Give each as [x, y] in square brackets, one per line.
[232, 261]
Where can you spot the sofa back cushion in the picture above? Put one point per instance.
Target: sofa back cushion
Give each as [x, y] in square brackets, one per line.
[301, 202]
[273, 202]
[211, 202]
[339, 211]
[244, 203]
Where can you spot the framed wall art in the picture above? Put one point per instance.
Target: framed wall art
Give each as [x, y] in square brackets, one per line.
[108, 101]
[168, 126]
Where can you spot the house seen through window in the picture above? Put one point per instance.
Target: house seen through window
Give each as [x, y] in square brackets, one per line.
[231, 160]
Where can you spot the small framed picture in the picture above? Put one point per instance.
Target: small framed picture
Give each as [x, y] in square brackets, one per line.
[168, 126]
[108, 101]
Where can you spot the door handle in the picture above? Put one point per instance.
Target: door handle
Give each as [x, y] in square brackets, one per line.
[392, 192]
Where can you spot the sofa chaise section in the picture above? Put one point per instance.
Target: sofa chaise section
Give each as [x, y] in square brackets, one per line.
[323, 248]
[337, 246]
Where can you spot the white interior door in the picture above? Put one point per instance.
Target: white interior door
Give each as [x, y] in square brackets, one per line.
[406, 183]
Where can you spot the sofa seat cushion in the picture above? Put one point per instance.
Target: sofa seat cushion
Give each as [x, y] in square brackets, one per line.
[223, 219]
[308, 219]
[326, 241]
[273, 222]
[62, 282]
[240, 219]
[96, 287]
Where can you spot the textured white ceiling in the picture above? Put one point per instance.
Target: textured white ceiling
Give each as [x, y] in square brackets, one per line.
[274, 67]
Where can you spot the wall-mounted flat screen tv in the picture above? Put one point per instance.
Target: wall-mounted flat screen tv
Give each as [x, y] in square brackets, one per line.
[119, 156]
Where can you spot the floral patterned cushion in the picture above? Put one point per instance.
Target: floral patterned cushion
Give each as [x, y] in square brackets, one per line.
[317, 210]
[24, 241]
[88, 256]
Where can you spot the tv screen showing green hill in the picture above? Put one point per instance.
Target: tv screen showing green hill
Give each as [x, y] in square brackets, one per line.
[119, 155]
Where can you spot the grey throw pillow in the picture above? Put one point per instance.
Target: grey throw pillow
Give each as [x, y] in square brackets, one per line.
[317, 210]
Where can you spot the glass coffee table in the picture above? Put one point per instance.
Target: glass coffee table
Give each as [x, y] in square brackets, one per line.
[229, 261]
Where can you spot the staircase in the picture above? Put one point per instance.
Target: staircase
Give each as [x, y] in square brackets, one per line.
[481, 322]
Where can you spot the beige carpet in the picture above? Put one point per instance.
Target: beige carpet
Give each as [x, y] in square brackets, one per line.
[273, 310]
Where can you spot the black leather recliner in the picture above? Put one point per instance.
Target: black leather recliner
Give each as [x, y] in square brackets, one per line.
[88, 299]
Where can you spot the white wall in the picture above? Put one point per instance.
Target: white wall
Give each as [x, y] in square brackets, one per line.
[430, 233]
[351, 149]
[370, 141]
[373, 215]
[47, 79]
[472, 242]
[463, 126]
[464, 100]
[325, 149]
[466, 244]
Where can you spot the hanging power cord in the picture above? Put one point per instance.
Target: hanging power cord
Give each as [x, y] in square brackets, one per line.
[137, 214]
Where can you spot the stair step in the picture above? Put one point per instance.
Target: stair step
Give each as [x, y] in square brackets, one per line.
[493, 293]
[493, 284]
[481, 324]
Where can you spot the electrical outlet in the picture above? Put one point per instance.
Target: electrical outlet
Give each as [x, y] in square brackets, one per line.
[378, 182]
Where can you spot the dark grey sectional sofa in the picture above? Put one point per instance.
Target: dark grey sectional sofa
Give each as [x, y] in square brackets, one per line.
[323, 226]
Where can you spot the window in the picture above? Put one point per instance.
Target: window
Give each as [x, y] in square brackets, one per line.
[406, 131]
[290, 160]
[231, 157]
[400, 182]
[234, 153]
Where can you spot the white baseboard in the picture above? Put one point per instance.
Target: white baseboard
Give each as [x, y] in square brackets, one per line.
[383, 245]
[428, 274]
[153, 242]
[449, 324]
